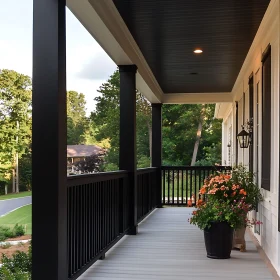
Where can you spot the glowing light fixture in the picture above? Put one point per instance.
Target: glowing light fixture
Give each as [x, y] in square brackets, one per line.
[198, 51]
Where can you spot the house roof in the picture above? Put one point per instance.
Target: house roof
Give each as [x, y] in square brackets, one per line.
[83, 150]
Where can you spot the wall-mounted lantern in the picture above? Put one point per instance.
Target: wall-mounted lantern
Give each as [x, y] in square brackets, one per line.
[244, 137]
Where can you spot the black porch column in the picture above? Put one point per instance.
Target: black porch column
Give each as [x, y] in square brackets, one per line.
[49, 196]
[128, 136]
[157, 148]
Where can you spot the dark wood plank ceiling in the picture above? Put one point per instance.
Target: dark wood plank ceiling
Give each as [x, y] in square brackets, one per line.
[167, 32]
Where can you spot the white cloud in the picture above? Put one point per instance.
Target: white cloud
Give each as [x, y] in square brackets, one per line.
[88, 66]
[99, 67]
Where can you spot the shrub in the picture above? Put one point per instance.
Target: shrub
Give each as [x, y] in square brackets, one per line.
[6, 232]
[18, 230]
[18, 267]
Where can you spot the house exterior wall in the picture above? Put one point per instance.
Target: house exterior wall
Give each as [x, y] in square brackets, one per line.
[268, 33]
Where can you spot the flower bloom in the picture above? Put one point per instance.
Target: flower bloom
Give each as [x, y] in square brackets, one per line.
[242, 191]
[202, 190]
[199, 202]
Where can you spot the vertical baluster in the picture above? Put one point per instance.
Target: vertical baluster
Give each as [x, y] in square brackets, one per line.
[173, 186]
[75, 220]
[187, 184]
[163, 188]
[93, 211]
[178, 179]
[168, 184]
[199, 180]
[182, 186]
[191, 182]
[99, 225]
[195, 185]
[69, 231]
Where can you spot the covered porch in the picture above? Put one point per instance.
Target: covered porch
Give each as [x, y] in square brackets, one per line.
[153, 45]
[168, 247]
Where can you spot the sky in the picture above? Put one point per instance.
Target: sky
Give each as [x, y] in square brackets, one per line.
[88, 66]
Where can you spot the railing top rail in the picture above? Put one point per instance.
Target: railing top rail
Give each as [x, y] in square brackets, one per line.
[146, 170]
[188, 167]
[75, 180]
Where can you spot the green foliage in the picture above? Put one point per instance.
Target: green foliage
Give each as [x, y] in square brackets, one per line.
[18, 230]
[76, 117]
[229, 198]
[18, 267]
[246, 179]
[2, 187]
[218, 211]
[110, 167]
[107, 118]
[143, 162]
[15, 119]
[180, 123]
[25, 176]
[6, 232]
[91, 164]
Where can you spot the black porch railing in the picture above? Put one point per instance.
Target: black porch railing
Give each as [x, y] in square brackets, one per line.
[97, 217]
[182, 183]
[146, 191]
[98, 213]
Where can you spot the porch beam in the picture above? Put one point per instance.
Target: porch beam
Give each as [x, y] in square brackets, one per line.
[49, 212]
[128, 137]
[195, 98]
[157, 147]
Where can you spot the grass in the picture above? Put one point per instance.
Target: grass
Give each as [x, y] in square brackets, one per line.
[185, 186]
[22, 216]
[15, 195]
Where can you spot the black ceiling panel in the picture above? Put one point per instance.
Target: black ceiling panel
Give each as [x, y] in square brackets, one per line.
[167, 32]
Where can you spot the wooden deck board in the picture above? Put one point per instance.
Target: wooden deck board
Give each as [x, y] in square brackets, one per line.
[168, 247]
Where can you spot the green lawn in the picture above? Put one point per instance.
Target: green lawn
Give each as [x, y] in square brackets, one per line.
[185, 186]
[22, 216]
[15, 195]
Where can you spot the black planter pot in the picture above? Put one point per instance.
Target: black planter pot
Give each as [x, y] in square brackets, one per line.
[218, 240]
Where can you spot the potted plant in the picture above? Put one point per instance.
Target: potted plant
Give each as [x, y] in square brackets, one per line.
[218, 219]
[240, 175]
[225, 210]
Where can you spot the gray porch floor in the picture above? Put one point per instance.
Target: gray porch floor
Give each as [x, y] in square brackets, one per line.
[168, 247]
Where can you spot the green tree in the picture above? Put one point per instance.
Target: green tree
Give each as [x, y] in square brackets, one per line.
[180, 123]
[80, 129]
[107, 118]
[15, 119]
[180, 127]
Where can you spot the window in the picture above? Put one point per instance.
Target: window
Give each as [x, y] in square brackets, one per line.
[266, 118]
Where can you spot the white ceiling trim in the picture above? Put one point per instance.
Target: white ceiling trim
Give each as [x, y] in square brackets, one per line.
[103, 21]
[195, 98]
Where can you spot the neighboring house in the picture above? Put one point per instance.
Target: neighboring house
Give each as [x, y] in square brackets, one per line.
[77, 153]
[255, 97]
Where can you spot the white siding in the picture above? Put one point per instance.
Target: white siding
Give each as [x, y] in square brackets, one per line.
[268, 33]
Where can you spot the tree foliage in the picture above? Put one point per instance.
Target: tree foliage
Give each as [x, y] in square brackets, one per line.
[107, 118]
[90, 164]
[180, 123]
[15, 119]
[179, 131]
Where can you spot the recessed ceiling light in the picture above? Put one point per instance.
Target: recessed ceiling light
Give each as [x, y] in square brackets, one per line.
[198, 51]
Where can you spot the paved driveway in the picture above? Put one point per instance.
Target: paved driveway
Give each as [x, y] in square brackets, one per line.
[11, 204]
